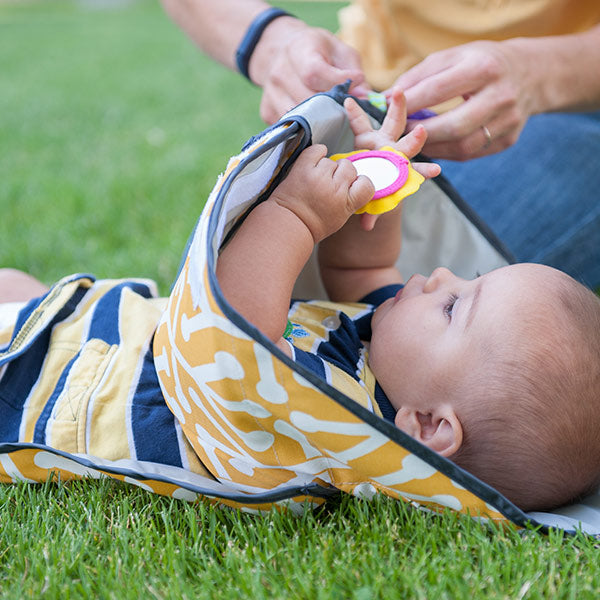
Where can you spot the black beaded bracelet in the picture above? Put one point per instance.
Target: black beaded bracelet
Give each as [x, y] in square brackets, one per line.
[252, 36]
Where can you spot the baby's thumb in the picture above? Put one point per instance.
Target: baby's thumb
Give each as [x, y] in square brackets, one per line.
[360, 192]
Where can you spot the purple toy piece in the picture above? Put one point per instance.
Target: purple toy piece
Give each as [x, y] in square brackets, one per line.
[424, 113]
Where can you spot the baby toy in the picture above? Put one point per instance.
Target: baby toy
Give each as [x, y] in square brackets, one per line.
[391, 174]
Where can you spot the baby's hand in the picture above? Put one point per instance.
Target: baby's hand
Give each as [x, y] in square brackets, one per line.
[394, 124]
[367, 138]
[321, 192]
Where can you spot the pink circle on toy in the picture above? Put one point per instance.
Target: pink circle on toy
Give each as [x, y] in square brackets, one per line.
[387, 170]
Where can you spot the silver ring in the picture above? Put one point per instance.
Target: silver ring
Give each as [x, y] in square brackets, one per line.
[488, 136]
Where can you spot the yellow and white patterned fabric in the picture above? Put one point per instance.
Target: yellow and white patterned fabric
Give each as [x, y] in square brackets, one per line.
[255, 430]
[259, 422]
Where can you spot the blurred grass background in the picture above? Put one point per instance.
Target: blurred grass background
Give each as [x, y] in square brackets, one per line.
[113, 130]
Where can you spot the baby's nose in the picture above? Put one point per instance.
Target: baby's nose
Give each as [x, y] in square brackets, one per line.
[439, 276]
[414, 285]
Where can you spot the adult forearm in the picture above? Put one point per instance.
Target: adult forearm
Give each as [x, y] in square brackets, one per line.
[563, 71]
[216, 27]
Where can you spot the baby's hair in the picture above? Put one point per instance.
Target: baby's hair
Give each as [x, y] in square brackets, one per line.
[535, 435]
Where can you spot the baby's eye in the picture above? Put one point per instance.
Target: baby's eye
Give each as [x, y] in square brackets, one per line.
[449, 306]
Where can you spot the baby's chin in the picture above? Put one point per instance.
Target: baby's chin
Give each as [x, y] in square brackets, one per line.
[381, 311]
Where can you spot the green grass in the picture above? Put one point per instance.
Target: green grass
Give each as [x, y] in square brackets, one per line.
[103, 540]
[113, 129]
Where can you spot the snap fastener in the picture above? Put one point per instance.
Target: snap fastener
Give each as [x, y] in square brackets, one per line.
[332, 322]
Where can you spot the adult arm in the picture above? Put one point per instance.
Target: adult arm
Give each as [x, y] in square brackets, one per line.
[291, 61]
[503, 83]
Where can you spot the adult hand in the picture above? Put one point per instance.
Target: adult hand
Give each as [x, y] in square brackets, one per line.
[499, 93]
[293, 61]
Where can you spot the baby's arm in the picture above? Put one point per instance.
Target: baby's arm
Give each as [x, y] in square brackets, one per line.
[259, 266]
[361, 256]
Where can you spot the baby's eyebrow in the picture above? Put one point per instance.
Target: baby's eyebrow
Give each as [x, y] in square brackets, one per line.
[474, 303]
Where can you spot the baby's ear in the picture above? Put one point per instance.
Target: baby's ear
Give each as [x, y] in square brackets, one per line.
[439, 429]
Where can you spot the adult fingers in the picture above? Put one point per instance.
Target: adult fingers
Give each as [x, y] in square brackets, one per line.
[454, 82]
[483, 141]
[457, 72]
[431, 65]
[464, 150]
[463, 119]
[322, 76]
[281, 93]
[480, 126]
[273, 107]
[295, 75]
[339, 62]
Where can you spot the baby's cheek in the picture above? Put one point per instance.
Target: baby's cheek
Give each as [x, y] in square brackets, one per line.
[395, 356]
[382, 353]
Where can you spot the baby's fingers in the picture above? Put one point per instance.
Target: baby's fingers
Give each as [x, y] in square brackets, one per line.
[313, 154]
[412, 143]
[359, 193]
[428, 170]
[367, 221]
[394, 124]
[357, 117]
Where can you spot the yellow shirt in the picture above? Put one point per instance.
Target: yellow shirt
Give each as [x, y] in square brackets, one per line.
[393, 35]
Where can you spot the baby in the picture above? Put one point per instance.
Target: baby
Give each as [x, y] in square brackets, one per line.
[500, 374]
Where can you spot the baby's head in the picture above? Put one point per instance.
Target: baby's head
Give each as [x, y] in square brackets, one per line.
[501, 374]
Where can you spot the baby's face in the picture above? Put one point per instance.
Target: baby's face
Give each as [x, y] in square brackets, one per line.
[437, 329]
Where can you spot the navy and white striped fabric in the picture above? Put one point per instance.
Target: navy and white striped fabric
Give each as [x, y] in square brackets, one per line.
[77, 374]
[327, 338]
